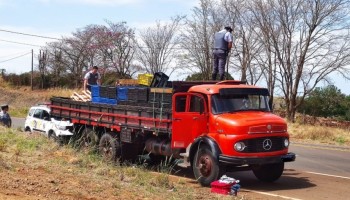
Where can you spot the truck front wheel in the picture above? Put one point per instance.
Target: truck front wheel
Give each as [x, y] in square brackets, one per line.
[269, 172]
[109, 147]
[205, 166]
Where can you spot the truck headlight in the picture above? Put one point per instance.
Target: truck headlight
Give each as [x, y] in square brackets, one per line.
[239, 146]
[286, 142]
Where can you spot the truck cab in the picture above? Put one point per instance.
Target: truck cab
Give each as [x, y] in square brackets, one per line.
[228, 125]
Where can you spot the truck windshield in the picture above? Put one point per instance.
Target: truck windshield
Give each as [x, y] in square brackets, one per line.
[236, 102]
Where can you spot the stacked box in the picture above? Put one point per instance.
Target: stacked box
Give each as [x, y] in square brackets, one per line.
[95, 100]
[122, 93]
[103, 91]
[159, 80]
[145, 79]
[95, 90]
[112, 92]
[143, 94]
[132, 94]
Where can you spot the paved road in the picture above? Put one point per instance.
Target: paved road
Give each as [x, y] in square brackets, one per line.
[17, 122]
[319, 172]
[321, 159]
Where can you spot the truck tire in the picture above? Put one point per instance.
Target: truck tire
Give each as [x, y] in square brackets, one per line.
[88, 139]
[269, 172]
[109, 147]
[205, 166]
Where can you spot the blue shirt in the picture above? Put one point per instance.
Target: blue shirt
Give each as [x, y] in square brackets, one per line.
[5, 119]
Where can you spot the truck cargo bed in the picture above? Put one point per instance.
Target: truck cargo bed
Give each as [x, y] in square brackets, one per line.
[146, 116]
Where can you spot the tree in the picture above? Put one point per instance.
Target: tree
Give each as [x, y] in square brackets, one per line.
[310, 40]
[325, 102]
[157, 46]
[116, 46]
[196, 38]
[246, 46]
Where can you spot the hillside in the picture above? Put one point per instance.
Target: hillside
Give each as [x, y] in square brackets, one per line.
[20, 99]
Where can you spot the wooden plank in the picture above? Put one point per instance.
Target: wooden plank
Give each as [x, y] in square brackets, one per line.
[80, 96]
[128, 82]
[162, 90]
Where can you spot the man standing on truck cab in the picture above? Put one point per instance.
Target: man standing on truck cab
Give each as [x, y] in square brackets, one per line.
[92, 78]
[5, 118]
[222, 46]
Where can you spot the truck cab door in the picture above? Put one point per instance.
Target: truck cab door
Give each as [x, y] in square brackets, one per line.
[190, 118]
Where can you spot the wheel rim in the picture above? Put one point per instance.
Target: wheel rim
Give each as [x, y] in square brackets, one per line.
[205, 165]
[87, 141]
[107, 150]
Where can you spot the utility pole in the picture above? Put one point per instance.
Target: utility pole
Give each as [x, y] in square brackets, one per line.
[2, 72]
[31, 78]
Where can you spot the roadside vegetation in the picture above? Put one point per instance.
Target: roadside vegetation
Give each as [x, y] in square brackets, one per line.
[318, 134]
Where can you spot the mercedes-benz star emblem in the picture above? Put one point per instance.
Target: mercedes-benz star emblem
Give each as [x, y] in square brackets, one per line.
[267, 144]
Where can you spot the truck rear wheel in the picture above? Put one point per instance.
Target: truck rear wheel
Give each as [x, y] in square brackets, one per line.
[269, 172]
[109, 147]
[88, 139]
[205, 166]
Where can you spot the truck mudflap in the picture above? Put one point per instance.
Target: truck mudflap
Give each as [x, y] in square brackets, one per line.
[289, 157]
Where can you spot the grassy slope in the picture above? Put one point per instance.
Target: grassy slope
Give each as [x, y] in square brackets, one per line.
[33, 167]
[20, 99]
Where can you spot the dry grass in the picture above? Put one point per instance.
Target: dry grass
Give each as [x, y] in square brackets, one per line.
[36, 166]
[319, 134]
[20, 99]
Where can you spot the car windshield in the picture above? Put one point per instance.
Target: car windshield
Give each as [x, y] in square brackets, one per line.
[238, 102]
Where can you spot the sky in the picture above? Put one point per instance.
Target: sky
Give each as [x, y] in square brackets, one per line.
[57, 18]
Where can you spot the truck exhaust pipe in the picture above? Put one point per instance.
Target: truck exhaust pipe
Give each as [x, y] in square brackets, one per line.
[161, 147]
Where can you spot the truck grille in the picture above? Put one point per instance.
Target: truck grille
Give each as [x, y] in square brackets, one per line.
[265, 144]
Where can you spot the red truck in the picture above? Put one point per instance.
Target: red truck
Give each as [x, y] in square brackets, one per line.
[212, 127]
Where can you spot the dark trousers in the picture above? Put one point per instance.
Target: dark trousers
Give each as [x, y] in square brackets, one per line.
[219, 62]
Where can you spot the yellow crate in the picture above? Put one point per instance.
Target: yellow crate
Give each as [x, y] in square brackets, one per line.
[145, 79]
[162, 90]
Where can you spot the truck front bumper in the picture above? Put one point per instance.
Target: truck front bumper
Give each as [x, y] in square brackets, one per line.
[289, 157]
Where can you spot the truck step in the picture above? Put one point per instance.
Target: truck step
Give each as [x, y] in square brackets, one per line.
[183, 163]
[186, 155]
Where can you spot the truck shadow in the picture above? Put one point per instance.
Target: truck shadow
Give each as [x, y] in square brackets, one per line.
[290, 180]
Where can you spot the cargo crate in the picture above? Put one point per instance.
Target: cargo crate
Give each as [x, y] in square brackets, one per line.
[159, 80]
[112, 92]
[145, 79]
[122, 93]
[95, 91]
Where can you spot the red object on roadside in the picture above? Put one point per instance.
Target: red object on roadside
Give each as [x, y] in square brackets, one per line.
[221, 188]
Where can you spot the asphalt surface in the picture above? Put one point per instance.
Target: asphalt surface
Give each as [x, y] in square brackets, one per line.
[17, 122]
[319, 172]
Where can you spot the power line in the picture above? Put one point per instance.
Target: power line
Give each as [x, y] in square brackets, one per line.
[15, 57]
[27, 34]
[20, 43]
[14, 54]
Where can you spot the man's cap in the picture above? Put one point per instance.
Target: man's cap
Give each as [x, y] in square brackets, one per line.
[228, 28]
[4, 106]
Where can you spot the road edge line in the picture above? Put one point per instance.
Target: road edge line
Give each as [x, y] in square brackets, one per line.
[270, 194]
[330, 175]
